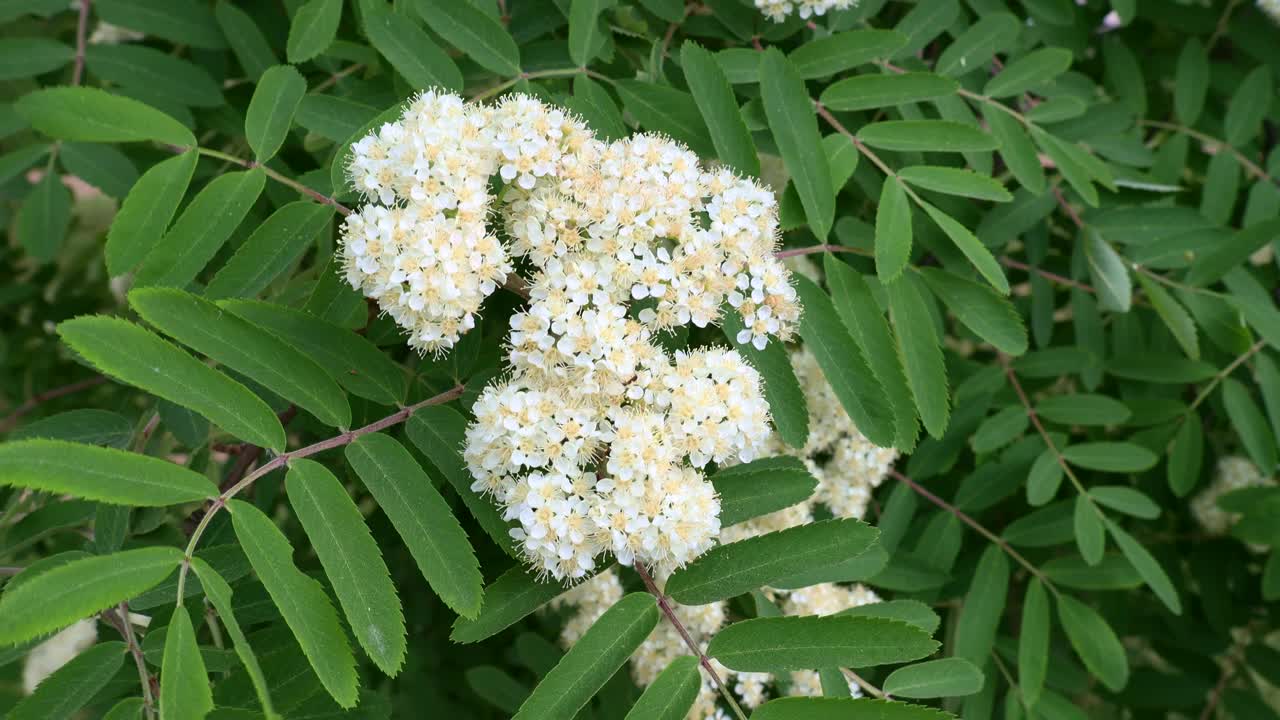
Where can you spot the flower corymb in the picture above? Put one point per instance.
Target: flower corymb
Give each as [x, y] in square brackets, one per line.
[597, 439]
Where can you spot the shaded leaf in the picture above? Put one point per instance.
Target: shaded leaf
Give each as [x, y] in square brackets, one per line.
[94, 115]
[805, 642]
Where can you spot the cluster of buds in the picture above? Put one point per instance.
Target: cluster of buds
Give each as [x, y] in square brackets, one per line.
[597, 439]
[780, 10]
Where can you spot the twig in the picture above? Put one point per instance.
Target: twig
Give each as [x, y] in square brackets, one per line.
[334, 78]
[82, 28]
[979, 527]
[1052, 277]
[10, 570]
[1066, 207]
[1223, 373]
[250, 165]
[11, 420]
[283, 458]
[120, 621]
[867, 687]
[1251, 167]
[665, 606]
[1215, 695]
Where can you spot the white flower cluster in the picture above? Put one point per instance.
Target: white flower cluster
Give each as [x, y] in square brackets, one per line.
[44, 659]
[1233, 473]
[779, 10]
[596, 440]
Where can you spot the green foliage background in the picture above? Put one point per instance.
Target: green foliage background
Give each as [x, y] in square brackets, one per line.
[1042, 228]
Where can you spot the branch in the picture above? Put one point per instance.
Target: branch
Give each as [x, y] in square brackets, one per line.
[118, 618]
[11, 420]
[82, 27]
[664, 604]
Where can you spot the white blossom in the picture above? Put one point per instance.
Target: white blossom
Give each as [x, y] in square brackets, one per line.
[44, 659]
[779, 10]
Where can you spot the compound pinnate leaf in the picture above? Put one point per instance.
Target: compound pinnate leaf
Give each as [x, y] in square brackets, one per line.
[102, 474]
[59, 596]
[1148, 568]
[593, 659]
[140, 358]
[422, 518]
[806, 642]
[863, 92]
[301, 600]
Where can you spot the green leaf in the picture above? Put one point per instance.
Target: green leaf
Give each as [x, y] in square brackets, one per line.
[185, 22]
[1248, 107]
[94, 115]
[156, 73]
[667, 110]
[993, 33]
[983, 606]
[439, 432]
[990, 316]
[513, 596]
[751, 489]
[955, 181]
[140, 358]
[1033, 642]
[728, 570]
[671, 694]
[1082, 409]
[332, 117]
[301, 600]
[101, 474]
[313, 28]
[863, 92]
[945, 677]
[787, 406]
[20, 160]
[1090, 533]
[1249, 423]
[92, 427]
[596, 106]
[809, 708]
[27, 57]
[1175, 317]
[719, 108]
[972, 248]
[1110, 276]
[925, 22]
[1160, 368]
[1032, 70]
[843, 364]
[912, 612]
[1147, 566]
[893, 231]
[72, 686]
[1191, 81]
[102, 166]
[44, 218]
[795, 129]
[352, 561]
[476, 34]
[146, 212]
[1126, 500]
[245, 348]
[1015, 147]
[926, 136]
[1069, 160]
[422, 518]
[593, 659]
[586, 38]
[184, 681]
[1186, 456]
[350, 359]
[799, 643]
[921, 353]
[837, 52]
[851, 296]
[271, 110]
[202, 229]
[61, 595]
[1095, 642]
[1117, 457]
[246, 39]
[999, 430]
[1113, 572]
[218, 592]
[273, 247]
[411, 51]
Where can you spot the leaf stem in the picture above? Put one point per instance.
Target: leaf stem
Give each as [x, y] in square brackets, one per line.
[82, 28]
[118, 617]
[664, 604]
[10, 421]
[283, 458]
[290, 182]
[1215, 144]
[508, 84]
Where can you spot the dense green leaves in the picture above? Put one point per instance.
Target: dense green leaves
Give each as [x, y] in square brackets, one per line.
[101, 474]
[410, 51]
[44, 218]
[790, 113]
[735, 568]
[156, 73]
[93, 115]
[593, 659]
[138, 357]
[475, 33]
[423, 519]
[58, 596]
[234, 342]
[301, 600]
[1029, 71]
[352, 561]
[787, 405]
[798, 643]
[955, 181]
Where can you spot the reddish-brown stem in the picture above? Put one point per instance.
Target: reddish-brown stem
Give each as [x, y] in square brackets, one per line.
[664, 604]
[11, 420]
[118, 617]
[1066, 207]
[1051, 277]
[82, 30]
